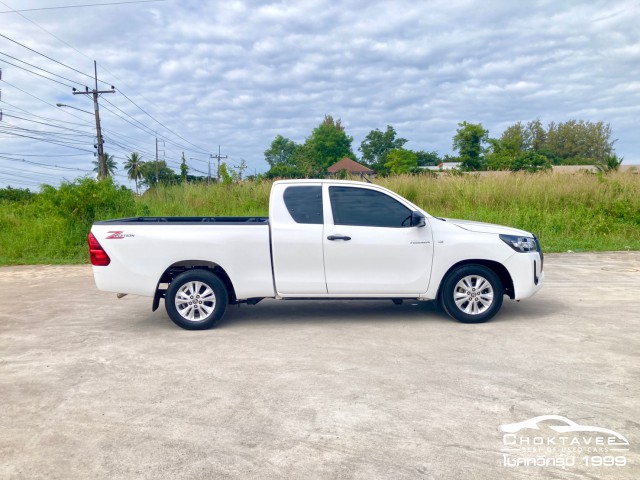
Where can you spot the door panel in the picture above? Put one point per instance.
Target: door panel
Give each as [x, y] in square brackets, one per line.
[296, 239]
[378, 260]
[381, 256]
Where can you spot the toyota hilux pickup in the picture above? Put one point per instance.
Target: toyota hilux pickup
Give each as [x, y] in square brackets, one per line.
[323, 239]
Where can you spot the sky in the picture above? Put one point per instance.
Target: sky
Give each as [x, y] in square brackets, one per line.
[234, 74]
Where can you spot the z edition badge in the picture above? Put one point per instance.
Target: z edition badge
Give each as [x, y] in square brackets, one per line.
[117, 235]
[556, 441]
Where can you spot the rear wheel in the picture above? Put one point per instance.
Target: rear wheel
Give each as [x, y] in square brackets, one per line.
[196, 300]
[472, 294]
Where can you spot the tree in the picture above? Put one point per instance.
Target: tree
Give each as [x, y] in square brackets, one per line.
[530, 162]
[283, 156]
[428, 158]
[504, 150]
[469, 141]
[109, 161]
[376, 145]
[534, 136]
[401, 161]
[281, 152]
[611, 164]
[516, 141]
[327, 144]
[579, 142]
[227, 175]
[241, 168]
[133, 166]
[157, 172]
[184, 169]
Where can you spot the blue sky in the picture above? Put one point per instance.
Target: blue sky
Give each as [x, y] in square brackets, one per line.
[237, 73]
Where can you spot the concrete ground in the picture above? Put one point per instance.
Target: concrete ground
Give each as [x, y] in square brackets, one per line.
[95, 387]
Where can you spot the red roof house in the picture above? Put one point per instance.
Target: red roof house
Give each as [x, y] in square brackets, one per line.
[352, 168]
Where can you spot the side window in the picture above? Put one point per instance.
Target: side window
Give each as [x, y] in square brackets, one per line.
[304, 204]
[364, 207]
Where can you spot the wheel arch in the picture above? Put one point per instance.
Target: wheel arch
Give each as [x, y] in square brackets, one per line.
[177, 268]
[496, 267]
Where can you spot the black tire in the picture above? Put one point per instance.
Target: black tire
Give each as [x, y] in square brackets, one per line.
[199, 286]
[473, 306]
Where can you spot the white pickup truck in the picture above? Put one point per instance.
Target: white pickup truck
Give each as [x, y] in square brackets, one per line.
[323, 239]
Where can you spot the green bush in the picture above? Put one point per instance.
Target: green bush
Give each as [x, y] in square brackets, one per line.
[52, 226]
[16, 194]
[85, 200]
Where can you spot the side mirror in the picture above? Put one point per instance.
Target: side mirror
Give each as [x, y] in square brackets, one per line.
[417, 219]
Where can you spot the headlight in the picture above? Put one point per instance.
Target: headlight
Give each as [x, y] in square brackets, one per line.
[520, 244]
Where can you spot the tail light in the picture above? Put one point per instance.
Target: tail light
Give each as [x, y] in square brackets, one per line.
[97, 254]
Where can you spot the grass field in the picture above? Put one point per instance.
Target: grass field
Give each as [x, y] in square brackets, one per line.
[578, 212]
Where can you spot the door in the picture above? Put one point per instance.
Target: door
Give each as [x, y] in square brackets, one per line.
[370, 247]
[296, 239]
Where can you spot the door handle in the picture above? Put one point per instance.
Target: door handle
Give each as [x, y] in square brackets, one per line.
[338, 237]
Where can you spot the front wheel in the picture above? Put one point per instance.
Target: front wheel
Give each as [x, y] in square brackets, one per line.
[196, 300]
[472, 294]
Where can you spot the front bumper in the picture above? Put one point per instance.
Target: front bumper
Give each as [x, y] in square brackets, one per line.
[526, 272]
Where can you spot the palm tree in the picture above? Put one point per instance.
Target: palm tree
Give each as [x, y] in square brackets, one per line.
[109, 161]
[610, 164]
[133, 166]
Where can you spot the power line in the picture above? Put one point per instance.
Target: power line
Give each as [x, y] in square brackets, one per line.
[47, 141]
[10, 181]
[145, 128]
[11, 126]
[159, 122]
[36, 73]
[78, 6]
[21, 173]
[23, 111]
[44, 123]
[41, 156]
[141, 126]
[130, 141]
[114, 75]
[40, 68]
[43, 101]
[48, 57]
[42, 165]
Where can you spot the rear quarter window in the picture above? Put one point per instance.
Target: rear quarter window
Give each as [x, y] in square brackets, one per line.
[304, 203]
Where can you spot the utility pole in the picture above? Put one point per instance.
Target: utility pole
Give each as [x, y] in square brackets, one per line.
[218, 172]
[158, 159]
[102, 165]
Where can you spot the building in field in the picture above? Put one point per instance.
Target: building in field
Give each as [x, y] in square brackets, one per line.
[350, 167]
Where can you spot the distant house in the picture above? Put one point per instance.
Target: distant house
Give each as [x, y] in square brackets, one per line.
[351, 167]
[442, 166]
[449, 165]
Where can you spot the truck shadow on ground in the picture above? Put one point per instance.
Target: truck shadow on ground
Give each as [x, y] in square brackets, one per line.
[310, 312]
[329, 311]
[367, 311]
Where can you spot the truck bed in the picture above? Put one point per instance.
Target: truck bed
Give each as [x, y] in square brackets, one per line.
[188, 220]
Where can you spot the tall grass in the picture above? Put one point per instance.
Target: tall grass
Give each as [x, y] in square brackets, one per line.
[578, 212]
[241, 199]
